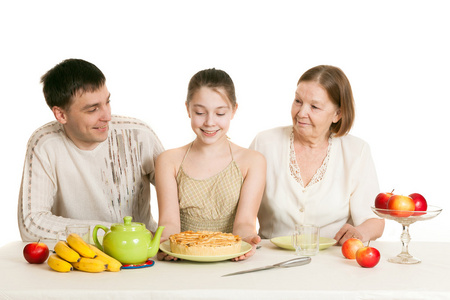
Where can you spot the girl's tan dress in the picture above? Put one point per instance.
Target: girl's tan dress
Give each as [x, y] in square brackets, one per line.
[209, 204]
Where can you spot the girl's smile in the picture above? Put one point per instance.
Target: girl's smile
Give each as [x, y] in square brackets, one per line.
[210, 133]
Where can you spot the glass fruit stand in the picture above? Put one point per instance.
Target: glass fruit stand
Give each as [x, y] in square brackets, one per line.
[406, 218]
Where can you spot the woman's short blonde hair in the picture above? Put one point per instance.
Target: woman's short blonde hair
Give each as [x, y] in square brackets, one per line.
[337, 85]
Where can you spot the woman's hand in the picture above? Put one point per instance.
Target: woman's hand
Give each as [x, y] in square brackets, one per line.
[347, 232]
[164, 256]
[253, 240]
[369, 230]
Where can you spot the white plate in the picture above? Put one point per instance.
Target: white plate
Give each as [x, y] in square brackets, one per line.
[165, 247]
[285, 242]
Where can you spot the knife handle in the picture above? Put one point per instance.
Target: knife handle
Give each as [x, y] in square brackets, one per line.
[299, 261]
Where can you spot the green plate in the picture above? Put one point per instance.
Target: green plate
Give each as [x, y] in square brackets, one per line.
[285, 242]
[245, 247]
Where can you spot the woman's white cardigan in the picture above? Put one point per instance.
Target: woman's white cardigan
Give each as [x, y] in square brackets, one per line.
[344, 195]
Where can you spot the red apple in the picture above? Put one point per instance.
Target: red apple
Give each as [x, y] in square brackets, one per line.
[36, 252]
[350, 247]
[420, 202]
[367, 257]
[382, 199]
[403, 206]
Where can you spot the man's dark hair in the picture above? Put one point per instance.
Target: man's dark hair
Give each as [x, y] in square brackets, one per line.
[69, 78]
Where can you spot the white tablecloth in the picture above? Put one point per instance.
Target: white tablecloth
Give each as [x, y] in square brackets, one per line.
[329, 275]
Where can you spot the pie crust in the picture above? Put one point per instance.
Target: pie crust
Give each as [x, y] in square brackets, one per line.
[205, 243]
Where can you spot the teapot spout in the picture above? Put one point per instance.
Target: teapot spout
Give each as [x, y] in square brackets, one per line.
[154, 244]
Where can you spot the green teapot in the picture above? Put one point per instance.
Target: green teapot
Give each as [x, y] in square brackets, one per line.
[130, 242]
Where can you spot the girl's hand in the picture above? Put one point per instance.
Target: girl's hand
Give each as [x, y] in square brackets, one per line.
[253, 240]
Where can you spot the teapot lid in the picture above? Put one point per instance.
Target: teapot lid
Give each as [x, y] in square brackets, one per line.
[127, 225]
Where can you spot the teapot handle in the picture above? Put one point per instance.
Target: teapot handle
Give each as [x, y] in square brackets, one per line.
[94, 235]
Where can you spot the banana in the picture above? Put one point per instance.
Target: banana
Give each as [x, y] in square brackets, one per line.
[113, 264]
[58, 264]
[66, 253]
[78, 244]
[90, 265]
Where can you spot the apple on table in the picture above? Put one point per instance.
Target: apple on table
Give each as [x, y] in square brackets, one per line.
[36, 252]
[350, 247]
[367, 257]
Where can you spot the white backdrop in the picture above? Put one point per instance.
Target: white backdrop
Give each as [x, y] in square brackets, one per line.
[395, 53]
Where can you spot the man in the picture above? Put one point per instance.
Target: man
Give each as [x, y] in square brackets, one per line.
[88, 166]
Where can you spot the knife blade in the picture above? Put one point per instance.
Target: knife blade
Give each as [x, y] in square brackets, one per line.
[299, 261]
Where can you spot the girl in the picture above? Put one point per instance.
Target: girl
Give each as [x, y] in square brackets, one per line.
[210, 184]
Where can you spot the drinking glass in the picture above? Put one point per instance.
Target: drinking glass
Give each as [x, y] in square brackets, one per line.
[82, 230]
[306, 239]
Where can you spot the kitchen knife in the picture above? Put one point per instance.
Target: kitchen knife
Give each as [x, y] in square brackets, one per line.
[299, 261]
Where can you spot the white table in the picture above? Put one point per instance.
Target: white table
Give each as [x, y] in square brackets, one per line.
[329, 275]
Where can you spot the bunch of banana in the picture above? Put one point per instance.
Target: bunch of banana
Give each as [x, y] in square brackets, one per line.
[76, 253]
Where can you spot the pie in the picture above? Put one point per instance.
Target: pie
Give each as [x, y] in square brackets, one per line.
[205, 243]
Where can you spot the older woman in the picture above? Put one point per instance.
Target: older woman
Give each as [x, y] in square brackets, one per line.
[316, 172]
